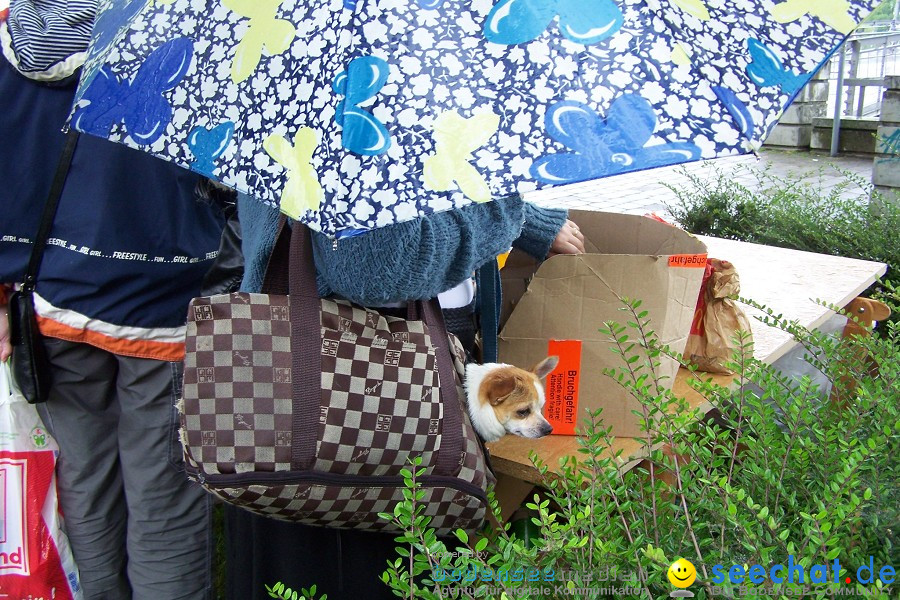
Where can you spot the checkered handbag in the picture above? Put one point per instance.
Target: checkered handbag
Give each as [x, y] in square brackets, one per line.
[306, 409]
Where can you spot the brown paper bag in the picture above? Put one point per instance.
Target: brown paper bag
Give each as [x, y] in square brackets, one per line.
[717, 319]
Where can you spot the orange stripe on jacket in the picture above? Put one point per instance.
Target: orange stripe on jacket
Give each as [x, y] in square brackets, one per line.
[168, 351]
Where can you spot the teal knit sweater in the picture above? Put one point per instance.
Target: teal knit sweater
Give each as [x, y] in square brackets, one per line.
[413, 260]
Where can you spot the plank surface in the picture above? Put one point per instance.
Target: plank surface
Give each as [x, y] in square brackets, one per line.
[789, 282]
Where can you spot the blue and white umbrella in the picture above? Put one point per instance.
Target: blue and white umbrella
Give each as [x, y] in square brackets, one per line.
[356, 114]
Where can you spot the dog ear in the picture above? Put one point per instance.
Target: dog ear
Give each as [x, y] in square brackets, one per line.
[499, 386]
[545, 367]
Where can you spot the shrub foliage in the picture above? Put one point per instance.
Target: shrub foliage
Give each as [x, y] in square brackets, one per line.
[851, 219]
[787, 470]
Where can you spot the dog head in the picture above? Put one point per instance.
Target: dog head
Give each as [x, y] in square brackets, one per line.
[506, 399]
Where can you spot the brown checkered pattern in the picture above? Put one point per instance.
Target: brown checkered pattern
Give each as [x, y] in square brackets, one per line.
[353, 508]
[380, 407]
[237, 411]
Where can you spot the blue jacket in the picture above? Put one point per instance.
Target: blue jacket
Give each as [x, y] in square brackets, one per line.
[129, 244]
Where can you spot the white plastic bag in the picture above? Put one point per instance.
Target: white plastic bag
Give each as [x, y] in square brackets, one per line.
[35, 558]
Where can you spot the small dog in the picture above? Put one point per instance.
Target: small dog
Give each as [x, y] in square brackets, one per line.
[506, 399]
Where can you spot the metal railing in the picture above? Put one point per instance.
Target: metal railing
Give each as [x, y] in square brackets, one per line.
[872, 52]
[857, 71]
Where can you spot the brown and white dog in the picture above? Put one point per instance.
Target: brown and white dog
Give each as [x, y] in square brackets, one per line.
[506, 399]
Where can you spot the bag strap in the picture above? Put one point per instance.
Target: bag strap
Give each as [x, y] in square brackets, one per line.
[306, 357]
[43, 234]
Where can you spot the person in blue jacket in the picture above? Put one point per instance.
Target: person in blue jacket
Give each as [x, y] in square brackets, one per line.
[418, 259]
[129, 246]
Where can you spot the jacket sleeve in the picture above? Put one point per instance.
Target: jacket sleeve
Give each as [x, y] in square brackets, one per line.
[540, 229]
[417, 259]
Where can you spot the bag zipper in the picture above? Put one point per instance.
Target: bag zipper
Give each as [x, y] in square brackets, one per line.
[285, 477]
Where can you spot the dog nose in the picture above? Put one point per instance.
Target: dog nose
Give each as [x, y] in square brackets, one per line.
[546, 429]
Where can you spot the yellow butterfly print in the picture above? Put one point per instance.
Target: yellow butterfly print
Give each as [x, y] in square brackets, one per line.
[679, 56]
[302, 191]
[265, 30]
[455, 139]
[693, 7]
[834, 13]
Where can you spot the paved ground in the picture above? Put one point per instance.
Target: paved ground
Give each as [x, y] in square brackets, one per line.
[644, 191]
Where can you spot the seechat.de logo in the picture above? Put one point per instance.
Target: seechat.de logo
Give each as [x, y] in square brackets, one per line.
[795, 573]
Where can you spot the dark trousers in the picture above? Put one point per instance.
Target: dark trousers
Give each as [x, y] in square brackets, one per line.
[261, 552]
[138, 528]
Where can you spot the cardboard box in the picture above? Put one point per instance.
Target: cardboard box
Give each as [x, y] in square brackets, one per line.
[559, 307]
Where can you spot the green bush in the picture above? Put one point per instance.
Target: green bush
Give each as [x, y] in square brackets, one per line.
[787, 471]
[794, 213]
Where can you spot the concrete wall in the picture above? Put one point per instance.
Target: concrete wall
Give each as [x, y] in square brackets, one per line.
[886, 168]
[795, 129]
[857, 136]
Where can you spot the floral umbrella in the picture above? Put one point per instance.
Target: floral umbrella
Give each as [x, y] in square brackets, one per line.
[356, 114]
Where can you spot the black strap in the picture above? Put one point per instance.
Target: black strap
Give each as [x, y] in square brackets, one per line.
[489, 309]
[43, 234]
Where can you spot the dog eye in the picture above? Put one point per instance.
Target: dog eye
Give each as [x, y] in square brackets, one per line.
[524, 412]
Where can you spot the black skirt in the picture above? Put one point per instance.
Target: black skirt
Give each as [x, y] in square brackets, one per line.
[345, 564]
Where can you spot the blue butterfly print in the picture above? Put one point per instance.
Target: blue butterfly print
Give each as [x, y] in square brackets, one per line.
[140, 103]
[207, 145]
[607, 146]
[582, 21]
[350, 4]
[109, 26]
[766, 69]
[738, 110]
[363, 133]
[429, 4]
[114, 20]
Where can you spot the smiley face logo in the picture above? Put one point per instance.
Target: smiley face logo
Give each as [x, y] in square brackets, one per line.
[682, 573]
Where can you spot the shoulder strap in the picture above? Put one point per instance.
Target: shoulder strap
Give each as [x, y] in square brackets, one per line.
[56, 188]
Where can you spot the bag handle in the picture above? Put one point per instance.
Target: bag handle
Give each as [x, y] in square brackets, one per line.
[275, 278]
[306, 357]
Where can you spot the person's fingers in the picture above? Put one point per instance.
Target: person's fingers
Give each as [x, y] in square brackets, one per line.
[566, 245]
[5, 342]
[578, 242]
[570, 247]
[579, 235]
[575, 232]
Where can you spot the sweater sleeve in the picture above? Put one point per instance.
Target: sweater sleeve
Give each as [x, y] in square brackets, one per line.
[417, 259]
[541, 227]
[259, 224]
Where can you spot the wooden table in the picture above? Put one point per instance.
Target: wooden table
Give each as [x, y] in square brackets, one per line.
[787, 281]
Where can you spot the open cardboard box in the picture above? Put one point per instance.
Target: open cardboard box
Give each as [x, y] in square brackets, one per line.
[560, 306]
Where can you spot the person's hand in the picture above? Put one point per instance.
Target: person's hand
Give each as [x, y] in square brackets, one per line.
[5, 344]
[569, 240]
